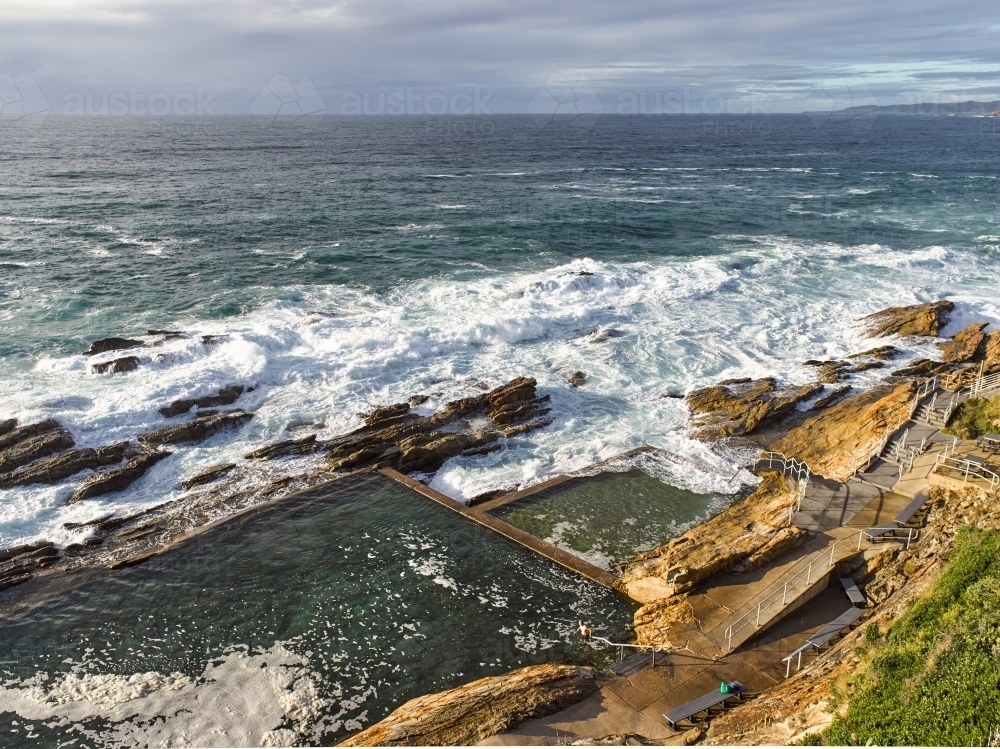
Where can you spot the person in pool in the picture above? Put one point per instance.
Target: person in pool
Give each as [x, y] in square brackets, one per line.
[585, 631]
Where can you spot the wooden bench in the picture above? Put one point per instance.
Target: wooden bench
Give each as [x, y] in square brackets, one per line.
[825, 634]
[703, 704]
[834, 628]
[891, 533]
[906, 514]
[853, 592]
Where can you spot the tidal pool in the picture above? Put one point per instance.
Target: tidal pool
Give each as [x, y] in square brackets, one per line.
[351, 599]
[610, 517]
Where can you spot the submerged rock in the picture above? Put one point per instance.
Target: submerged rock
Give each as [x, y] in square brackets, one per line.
[32, 442]
[832, 442]
[111, 344]
[63, 465]
[918, 320]
[577, 379]
[737, 407]
[224, 397]
[124, 364]
[881, 353]
[196, 430]
[122, 478]
[483, 708]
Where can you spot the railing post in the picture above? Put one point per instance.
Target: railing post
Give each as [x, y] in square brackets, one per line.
[809, 570]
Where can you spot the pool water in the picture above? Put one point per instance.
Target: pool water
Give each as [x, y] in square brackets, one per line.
[380, 595]
[610, 517]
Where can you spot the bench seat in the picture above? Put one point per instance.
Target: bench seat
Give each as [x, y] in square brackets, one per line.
[703, 704]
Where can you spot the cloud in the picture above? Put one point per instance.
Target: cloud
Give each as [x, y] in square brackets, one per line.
[785, 48]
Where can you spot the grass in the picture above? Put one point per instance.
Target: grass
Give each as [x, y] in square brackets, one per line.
[975, 417]
[934, 678]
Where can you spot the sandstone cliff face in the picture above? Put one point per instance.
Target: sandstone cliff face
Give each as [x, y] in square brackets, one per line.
[964, 345]
[737, 407]
[486, 707]
[736, 539]
[919, 319]
[832, 441]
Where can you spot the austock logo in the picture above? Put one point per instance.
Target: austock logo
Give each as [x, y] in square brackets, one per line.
[21, 99]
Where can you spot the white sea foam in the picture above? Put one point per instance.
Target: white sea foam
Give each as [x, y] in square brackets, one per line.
[241, 699]
[762, 308]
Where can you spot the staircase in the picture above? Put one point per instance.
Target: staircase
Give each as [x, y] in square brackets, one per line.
[798, 584]
[938, 410]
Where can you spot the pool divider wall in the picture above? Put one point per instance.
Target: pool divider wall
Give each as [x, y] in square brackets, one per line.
[518, 536]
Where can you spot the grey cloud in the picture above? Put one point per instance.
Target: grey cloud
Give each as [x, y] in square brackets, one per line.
[781, 47]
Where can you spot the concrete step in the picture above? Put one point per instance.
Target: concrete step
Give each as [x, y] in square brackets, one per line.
[633, 664]
[782, 590]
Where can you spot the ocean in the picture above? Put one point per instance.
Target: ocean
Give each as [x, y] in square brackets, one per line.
[359, 261]
[349, 263]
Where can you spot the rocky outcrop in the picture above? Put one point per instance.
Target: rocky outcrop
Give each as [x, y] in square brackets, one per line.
[111, 344]
[63, 465]
[224, 397]
[483, 708]
[737, 540]
[917, 320]
[115, 366]
[19, 564]
[830, 398]
[196, 430]
[881, 353]
[395, 437]
[122, 478]
[965, 345]
[831, 442]
[922, 368]
[7, 426]
[285, 448]
[737, 407]
[577, 379]
[32, 442]
[207, 476]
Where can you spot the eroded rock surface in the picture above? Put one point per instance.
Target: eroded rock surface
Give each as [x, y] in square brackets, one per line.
[196, 430]
[737, 539]
[831, 442]
[395, 437]
[116, 480]
[116, 366]
[224, 397]
[917, 320]
[483, 708]
[965, 345]
[737, 407]
[62, 465]
[32, 442]
[111, 344]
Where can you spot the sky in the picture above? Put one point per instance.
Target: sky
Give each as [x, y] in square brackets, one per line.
[476, 57]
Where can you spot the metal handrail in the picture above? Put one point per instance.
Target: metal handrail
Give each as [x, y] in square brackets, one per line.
[622, 645]
[982, 383]
[793, 467]
[966, 467]
[754, 614]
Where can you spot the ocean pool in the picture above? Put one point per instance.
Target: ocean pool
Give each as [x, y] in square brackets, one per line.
[610, 517]
[351, 598]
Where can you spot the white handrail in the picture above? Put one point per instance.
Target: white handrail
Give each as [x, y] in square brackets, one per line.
[983, 383]
[967, 467]
[792, 467]
[817, 563]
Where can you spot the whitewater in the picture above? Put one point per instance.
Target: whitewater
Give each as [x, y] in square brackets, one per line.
[360, 263]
